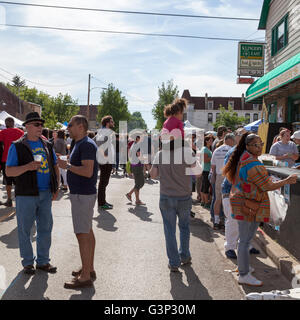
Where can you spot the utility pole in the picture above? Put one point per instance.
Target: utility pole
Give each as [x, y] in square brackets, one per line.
[88, 102]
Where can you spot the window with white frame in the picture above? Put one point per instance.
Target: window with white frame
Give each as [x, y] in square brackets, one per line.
[231, 104]
[255, 107]
[255, 116]
[210, 118]
[210, 105]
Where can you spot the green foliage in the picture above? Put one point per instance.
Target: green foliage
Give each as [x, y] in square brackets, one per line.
[228, 118]
[136, 121]
[167, 94]
[54, 109]
[113, 103]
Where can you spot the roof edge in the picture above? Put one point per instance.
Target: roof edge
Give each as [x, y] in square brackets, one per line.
[264, 15]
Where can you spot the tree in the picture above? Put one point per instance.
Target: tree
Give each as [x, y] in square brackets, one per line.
[228, 118]
[167, 94]
[113, 103]
[17, 82]
[136, 121]
[54, 109]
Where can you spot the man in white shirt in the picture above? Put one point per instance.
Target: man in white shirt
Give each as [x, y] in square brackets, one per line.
[217, 164]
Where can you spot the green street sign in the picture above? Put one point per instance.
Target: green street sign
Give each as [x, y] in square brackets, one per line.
[251, 59]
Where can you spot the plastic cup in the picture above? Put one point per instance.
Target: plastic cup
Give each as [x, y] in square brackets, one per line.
[64, 158]
[38, 157]
[68, 146]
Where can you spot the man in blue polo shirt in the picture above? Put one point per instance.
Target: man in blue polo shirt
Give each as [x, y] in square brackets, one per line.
[82, 179]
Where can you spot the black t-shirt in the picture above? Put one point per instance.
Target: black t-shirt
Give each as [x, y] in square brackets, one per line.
[84, 149]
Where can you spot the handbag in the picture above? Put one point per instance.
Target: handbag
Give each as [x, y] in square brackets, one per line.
[250, 207]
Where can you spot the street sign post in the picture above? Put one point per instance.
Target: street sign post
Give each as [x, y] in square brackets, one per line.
[251, 58]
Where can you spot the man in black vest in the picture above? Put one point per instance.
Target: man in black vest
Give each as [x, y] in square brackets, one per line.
[33, 162]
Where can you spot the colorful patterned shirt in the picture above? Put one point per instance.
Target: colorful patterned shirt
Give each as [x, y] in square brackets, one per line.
[251, 182]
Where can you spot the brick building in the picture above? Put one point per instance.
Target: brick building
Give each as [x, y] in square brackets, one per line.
[203, 111]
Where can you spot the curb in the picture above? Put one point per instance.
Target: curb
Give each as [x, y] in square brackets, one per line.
[288, 265]
[284, 261]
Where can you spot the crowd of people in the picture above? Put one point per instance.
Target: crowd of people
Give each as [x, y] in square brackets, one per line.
[229, 180]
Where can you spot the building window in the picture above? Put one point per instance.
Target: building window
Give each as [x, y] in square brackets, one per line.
[210, 118]
[217, 116]
[280, 35]
[256, 107]
[247, 117]
[231, 104]
[255, 116]
[210, 105]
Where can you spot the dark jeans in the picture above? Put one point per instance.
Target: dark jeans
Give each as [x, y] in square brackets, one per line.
[105, 171]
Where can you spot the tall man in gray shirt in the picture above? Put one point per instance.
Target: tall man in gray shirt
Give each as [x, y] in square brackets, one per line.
[175, 199]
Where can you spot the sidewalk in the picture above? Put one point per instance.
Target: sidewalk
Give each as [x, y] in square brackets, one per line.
[274, 265]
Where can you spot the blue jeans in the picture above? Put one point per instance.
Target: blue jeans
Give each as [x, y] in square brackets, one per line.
[247, 231]
[170, 208]
[30, 209]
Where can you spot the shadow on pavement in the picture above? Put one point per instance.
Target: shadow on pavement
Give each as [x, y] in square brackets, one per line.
[18, 290]
[11, 239]
[142, 213]
[106, 221]
[200, 230]
[194, 290]
[86, 294]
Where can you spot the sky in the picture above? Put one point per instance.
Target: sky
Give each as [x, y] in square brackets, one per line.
[60, 61]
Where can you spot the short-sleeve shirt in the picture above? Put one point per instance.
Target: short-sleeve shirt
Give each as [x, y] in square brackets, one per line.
[206, 165]
[219, 156]
[173, 123]
[279, 149]
[84, 149]
[174, 180]
[43, 174]
[7, 136]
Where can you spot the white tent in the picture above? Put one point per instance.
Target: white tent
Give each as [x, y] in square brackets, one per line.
[189, 128]
[62, 126]
[4, 115]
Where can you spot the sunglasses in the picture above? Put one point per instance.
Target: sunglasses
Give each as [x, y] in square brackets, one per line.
[38, 124]
[257, 145]
[70, 125]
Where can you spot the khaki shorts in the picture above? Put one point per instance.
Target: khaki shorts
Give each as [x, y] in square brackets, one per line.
[218, 187]
[82, 207]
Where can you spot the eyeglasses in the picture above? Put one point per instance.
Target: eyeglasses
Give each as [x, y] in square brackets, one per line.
[38, 124]
[257, 145]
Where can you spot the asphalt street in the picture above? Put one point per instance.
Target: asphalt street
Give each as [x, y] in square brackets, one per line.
[130, 257]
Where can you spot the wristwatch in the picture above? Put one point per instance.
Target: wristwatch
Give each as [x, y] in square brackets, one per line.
[69, 166]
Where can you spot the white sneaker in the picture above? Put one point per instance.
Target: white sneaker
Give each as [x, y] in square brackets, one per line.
[251, 270]
[249, 280]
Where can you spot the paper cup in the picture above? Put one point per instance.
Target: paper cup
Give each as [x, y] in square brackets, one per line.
[38, 157]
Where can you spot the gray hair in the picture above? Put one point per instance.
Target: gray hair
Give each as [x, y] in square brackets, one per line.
[229, 136]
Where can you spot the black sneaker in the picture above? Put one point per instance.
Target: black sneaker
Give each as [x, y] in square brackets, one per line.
[29, 270]
[217, 226]
[254, 251]
[230, 254]
[193, 214]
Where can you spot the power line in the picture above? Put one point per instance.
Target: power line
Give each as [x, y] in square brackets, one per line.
[129, 12]
[40, 84]
[122, 32]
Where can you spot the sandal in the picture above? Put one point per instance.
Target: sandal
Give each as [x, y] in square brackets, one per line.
[76, 284]
[128, 197]
[47, 268]
[78, 273]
